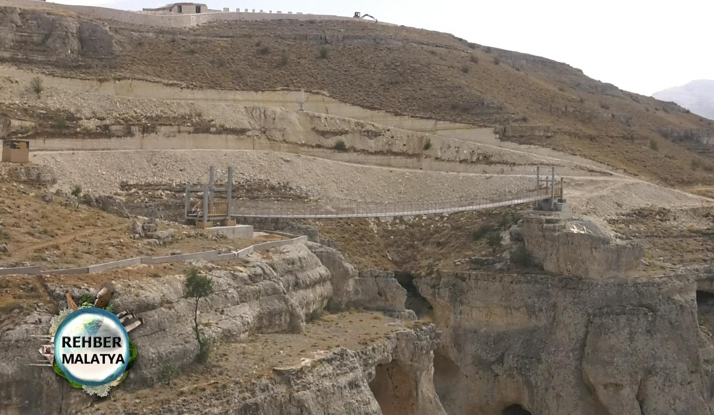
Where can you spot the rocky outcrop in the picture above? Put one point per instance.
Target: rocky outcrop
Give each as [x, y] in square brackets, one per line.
[54, 37]
[368, 289]
[35, 175]
[578, 247]
[271, 296]
[339, 382]
[556, 345]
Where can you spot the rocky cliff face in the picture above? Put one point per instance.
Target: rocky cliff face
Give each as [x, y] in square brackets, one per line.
[271, 295]
[391, 377]
[556, 345]
[60, 38]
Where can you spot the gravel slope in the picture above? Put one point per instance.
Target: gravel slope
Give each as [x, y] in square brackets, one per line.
[104, 171]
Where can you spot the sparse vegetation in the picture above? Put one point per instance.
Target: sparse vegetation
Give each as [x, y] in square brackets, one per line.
[471, 45]
[604, 105]
[507, 220]
[465, 68]
[284, 59]
[323, 52]
[494, 240]
[654, 144]
[197, 286]
[37, 86]
[522, 258]
[496, 60]
[60, 123]
[340, 145]
[474, 59]
[168, 372]
[427, 145]
[76, 191]
[481, 231]
[488, 49]
[264, 50]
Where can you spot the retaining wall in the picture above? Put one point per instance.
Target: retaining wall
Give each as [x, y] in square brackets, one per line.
[21, 270]
[211, 256]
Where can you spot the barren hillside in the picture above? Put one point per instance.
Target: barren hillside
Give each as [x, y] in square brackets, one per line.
[397, 69]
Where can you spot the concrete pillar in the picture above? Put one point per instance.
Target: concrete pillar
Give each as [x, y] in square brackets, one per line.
[246, 10]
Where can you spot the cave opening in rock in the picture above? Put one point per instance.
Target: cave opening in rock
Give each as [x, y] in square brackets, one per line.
[705, 309]
[415, 301]
[516, 410]
[394, 389]
[704, 297]
[446, 375]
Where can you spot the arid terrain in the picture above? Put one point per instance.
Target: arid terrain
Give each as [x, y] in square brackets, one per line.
[596, 302]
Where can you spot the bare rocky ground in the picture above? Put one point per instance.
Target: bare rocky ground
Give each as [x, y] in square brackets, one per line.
[54, 232]
[533, 314]
[104, 172]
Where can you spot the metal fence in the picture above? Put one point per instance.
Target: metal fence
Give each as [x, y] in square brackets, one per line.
[326, 209]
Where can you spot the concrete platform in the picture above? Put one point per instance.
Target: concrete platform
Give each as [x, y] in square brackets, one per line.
[233, 232]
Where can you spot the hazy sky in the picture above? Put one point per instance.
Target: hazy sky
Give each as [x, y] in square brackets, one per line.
[639, 45]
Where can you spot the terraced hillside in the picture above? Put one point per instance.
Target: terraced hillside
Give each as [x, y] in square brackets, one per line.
[397, 69]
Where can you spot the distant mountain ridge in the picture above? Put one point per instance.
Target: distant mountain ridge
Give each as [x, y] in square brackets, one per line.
[696, 96]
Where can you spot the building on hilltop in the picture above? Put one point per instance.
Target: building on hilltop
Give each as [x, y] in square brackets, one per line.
[179, 8]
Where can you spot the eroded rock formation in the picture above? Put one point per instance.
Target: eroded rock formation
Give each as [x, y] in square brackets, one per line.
[557, 345]
[271, 295]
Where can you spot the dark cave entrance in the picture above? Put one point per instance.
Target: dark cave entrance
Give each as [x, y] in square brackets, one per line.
[415, 301]
[516, 410]
[394, 389]
[705, 309]
[704, 297]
